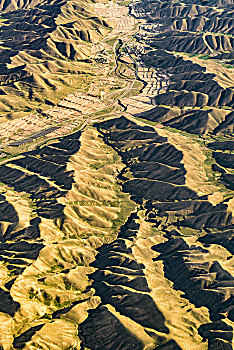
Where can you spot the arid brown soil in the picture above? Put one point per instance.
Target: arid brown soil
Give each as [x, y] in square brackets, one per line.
[116, 175]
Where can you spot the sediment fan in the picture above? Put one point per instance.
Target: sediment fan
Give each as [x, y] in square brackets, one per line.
[119, 234]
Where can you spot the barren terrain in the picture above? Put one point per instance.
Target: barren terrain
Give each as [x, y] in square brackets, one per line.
[116, 175]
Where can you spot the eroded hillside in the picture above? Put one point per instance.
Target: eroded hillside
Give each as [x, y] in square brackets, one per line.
[116, 175]
[43, 49]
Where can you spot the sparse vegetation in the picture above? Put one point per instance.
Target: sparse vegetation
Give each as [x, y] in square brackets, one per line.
[115, 217]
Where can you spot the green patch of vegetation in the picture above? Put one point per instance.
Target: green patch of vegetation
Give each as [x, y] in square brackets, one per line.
[147, 122]
[226, 107]
[212, 176]
[189, 231]
[32, 293]
[191, 136]
[116, 157]
[102, 112]
[11, 273]
[111, 42]
[32, 205]
[198, 55]
[228, 66]
[124, 2]
[59, 305]
[58, 266]
[204, 57]
[96, 166]
[68, 285]
[47, 298]
[127, 206]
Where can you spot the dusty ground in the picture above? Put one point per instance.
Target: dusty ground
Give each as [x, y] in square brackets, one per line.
[116, 202]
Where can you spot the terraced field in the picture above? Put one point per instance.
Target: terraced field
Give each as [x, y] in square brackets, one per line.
[116, 175]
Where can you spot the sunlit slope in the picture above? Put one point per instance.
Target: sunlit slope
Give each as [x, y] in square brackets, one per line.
[47, 229]
[79, 256]
[40, 50]
[119, 235]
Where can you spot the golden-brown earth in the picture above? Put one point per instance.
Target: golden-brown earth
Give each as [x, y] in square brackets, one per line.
[116, 175]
